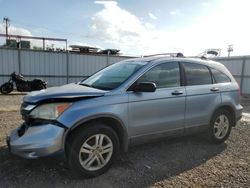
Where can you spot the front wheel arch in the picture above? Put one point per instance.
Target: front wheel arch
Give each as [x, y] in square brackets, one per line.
[82, 135]
[113, 123]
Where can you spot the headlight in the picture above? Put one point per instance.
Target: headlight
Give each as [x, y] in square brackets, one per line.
[49, 111]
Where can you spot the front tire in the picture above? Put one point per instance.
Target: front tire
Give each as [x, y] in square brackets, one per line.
[6, 88]
[91, 150]
[220, 126]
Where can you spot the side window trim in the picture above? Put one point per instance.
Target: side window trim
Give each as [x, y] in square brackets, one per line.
[211, 75]
[183, 74]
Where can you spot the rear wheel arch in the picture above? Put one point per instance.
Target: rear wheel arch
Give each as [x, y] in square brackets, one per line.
[220, 125]
[228, 108]
[111, 122]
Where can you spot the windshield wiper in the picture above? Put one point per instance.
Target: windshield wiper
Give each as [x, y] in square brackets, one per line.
[87, 85]
[103, 88]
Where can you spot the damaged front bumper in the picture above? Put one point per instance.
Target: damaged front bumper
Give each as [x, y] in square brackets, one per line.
[36, 141]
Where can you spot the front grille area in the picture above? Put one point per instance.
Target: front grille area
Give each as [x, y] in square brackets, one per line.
[26, 118]
[22, 129]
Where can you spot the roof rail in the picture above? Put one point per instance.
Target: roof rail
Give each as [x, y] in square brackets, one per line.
[199, 57]
[167, 54]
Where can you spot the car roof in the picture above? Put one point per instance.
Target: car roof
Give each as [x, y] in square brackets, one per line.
[156, 59]
[204, 61]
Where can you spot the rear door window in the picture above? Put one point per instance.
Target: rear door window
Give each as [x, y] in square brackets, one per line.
[197, 74]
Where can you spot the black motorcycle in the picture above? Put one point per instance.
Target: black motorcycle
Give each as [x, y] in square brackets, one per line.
[22, 85]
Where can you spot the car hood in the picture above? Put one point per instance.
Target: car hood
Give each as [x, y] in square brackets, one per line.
[65, 92]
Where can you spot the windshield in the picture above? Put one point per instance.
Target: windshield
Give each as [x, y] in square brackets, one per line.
[112, 76]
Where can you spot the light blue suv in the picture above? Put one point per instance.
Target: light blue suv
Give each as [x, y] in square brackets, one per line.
[130, 102]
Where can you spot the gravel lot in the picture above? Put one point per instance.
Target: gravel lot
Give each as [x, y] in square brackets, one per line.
[180, 162]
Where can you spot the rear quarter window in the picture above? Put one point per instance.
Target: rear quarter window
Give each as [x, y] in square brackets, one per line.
[219, 76]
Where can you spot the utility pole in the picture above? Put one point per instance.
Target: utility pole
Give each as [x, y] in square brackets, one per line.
[6, 20]
[230, 49]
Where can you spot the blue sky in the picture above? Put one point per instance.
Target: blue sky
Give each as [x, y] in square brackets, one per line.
[135, 27]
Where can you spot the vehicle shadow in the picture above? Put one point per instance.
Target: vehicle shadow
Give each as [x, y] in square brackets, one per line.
[142, 166]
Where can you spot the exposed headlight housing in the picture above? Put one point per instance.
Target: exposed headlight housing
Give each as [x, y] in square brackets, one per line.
[50, 111]
[29, 107]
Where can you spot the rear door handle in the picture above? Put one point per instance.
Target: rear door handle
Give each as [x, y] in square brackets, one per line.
[214, 89]
[177, 93]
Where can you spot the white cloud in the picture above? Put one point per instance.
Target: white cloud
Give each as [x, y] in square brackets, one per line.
[118, 28]
[175, 12]
[205, 4]
[131, 34]
[25, 32]
[227, 24]
[149, 25]
[12, 30]
[108, 3]
[15, 30]
[152, 16]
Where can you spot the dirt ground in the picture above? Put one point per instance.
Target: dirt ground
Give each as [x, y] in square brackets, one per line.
[181, 162]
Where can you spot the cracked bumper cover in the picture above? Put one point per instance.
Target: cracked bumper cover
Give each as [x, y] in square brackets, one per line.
[37, 141]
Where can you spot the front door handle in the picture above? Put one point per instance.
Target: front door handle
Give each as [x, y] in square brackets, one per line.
[214, 89]
[177, 93]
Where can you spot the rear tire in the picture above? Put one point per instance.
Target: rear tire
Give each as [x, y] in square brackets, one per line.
[91, 150]
[220, 126]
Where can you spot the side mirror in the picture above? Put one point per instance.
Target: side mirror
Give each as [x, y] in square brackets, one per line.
[144, 87]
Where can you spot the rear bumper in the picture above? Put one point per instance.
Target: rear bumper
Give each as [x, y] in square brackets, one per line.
[37, 141]
[238, 118]
[238, 113]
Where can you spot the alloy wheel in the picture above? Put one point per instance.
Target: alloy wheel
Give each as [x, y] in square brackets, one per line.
[221, 126]
[96, 152]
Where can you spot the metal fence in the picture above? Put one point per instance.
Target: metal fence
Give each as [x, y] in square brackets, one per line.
[239, 66]
[57, 68]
